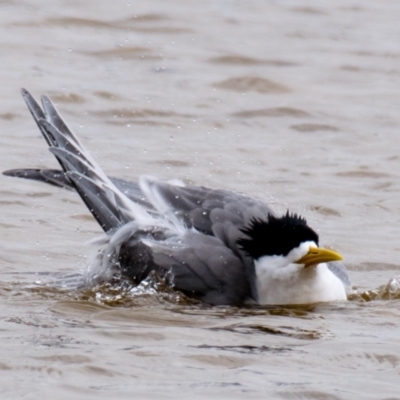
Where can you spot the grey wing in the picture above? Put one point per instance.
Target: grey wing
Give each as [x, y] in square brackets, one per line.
[219, 213]
[204, 207]
[204, 268]
[54, 177]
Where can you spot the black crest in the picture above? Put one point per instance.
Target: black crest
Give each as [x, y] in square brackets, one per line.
[275, 236]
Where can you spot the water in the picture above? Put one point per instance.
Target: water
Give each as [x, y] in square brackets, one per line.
[293, 102]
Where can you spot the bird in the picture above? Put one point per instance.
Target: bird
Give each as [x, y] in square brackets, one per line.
[215, 246]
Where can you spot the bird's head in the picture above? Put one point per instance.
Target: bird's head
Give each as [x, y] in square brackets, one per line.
[286, 256]
[284, 241]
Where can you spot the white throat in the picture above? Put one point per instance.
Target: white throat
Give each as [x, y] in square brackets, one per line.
[281, 281]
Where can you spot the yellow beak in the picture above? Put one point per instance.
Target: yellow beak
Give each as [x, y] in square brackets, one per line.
[316, 256]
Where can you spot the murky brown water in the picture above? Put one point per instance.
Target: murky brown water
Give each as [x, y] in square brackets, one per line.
[294, 102]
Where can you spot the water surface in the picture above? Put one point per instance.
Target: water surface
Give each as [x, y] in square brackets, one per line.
[296, 103]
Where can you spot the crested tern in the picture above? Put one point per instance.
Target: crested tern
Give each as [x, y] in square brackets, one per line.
[217, 246]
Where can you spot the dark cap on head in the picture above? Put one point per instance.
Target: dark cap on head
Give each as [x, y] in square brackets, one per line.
[275, 236]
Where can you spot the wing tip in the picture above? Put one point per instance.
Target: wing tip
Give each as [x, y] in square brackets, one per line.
[11, 172]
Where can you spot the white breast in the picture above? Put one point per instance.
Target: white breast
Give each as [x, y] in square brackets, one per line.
[282, 283]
